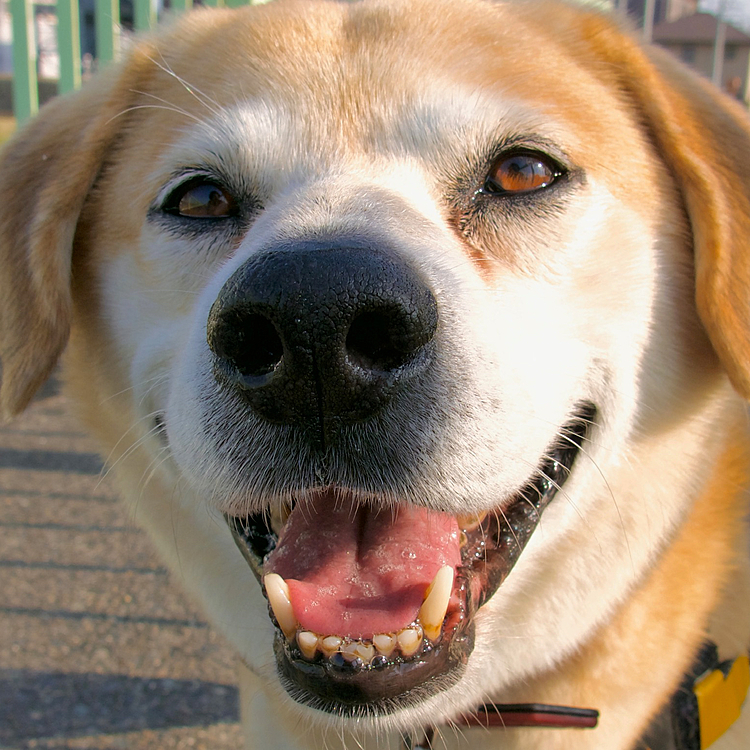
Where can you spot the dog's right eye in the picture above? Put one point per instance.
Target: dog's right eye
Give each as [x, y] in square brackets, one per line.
[522, 172]
[201, 198]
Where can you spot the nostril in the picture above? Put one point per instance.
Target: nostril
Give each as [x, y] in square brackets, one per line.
[321, 337]
[249, 342]
[378, 340]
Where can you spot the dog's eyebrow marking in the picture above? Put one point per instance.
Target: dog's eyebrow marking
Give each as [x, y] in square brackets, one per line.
[208, 102]
[165, 105]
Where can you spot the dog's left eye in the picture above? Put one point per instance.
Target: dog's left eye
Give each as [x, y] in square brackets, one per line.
[201, 198]
[523, 172]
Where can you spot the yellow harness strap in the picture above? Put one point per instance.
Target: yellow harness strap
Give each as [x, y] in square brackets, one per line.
[720, 696]
[706, 704]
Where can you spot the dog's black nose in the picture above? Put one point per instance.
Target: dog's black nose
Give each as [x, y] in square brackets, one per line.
[322, 337]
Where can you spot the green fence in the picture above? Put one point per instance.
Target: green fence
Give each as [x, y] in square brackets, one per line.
[107, 32]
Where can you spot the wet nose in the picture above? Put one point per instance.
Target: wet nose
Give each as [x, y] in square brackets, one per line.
[322, 337]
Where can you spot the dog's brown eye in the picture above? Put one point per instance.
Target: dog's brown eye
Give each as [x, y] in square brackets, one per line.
[521, 173]
[201, 199]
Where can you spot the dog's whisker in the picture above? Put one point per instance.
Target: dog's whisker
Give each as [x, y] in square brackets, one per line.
[109, 464]
[160, 458]
[206, 101]
[155, 383]
[172, 290]
[610, 491]
[130, 388]
[166, 108]
[128, 452]
[171, 105]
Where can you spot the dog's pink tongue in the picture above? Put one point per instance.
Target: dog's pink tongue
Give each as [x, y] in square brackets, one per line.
[354, 571]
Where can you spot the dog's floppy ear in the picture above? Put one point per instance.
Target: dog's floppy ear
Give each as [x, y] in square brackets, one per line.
[46, 173]
[704, 138]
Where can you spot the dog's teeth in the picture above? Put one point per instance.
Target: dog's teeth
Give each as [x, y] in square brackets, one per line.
[358, 650]
[330, 645]
[365, 651]
[471, 521]
[348, 650]
[277, 592]
[410, 639]
[278, 517]
[384, 643]
[308, 643]
[435, 605]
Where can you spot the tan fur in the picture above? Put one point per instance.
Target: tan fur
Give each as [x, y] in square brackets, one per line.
[703, 136]
[637, 661]
[670, 159]
[49, 171]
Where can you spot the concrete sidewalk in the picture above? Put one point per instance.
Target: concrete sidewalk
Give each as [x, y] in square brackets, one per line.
[98, 649]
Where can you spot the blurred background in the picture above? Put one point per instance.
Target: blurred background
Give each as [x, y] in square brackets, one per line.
[99, 649]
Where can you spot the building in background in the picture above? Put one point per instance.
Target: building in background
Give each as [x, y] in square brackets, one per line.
[692, 38]
[664, 10]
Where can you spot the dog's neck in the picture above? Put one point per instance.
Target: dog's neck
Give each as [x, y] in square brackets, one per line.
[704, 707]
[711, 542]
[659, 629]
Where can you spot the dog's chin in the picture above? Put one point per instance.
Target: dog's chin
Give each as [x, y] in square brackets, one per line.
[362, 671]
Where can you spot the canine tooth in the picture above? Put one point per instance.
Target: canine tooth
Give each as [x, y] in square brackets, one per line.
[409, 640]
[330, 645]
[384, 643]
[435, 605]
[278, 517]
[277, 592]
[308, 643]
[470, 521]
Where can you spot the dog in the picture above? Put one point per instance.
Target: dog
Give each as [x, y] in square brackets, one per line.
[417, 336]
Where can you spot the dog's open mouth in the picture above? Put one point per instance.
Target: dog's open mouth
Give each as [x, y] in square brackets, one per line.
[374, 605]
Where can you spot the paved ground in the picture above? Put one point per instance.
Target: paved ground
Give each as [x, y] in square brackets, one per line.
[97, 649]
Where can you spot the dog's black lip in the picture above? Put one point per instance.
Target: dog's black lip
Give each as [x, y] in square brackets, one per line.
[338, 689]
[487, 561]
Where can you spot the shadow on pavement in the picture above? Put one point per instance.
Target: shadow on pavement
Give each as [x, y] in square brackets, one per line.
[49, 705]
[40, 460]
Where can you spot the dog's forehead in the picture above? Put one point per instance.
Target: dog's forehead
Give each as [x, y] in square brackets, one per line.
[289, 93]
[349, 72]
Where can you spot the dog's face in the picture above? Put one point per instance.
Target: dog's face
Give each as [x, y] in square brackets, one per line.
[378, 295]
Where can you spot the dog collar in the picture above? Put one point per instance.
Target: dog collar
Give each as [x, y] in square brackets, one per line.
[707, 703]
[517, 715]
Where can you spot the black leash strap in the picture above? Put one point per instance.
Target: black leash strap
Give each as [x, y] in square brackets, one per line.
[517, 715]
